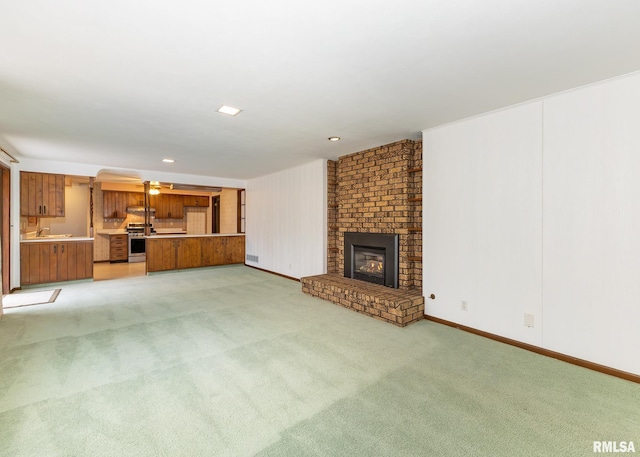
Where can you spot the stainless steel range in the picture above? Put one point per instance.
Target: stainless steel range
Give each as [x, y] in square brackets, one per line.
[137, 242]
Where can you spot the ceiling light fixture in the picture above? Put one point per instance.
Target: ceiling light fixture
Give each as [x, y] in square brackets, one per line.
[334, 138]
[168, 160]
[154, 187]
[230, 110]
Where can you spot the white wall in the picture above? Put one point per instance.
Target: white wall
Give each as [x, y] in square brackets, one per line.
[482, 221]
[286, 220]
[536, 209]
[592, 223]
[76, 215]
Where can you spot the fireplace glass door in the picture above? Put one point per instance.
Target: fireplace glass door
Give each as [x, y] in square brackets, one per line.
[369, 264]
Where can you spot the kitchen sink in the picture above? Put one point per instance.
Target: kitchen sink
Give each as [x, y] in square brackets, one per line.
[64, 235]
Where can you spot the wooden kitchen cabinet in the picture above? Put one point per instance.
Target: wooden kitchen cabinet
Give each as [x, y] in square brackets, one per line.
[209, 258]
[188, 253]
[115, 203]
[168, 206]
[43, 262]
[41, 194]
[164, 253]
[38, 263]
[119, 247]
[135, 199]
[173, 253]
[228, 250]
[173, 208]
[195, 200]
[161, 254]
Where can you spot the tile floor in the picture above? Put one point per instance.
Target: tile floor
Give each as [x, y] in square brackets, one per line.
[106, 270]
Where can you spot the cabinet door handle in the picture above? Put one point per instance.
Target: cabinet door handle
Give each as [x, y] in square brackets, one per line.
[55, 248]
[40, 209]
[45, 209]
[62, 247]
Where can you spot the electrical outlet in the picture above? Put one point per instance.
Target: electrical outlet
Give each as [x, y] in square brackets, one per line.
[463, 305]
[528, 320]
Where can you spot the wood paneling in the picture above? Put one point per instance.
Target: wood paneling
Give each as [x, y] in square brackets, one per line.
[193, 252]
[115, 203]
[118, 247]
[41, 194]
[160, 254]
[168, 206]
[6, 230]
[135, 198]
[195, 200]
[44, 262]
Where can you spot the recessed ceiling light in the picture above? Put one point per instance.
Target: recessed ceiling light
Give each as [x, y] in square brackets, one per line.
[334, 138]
[168, 160]
[230, 110]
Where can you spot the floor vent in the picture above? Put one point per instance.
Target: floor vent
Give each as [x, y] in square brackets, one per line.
[252, 258]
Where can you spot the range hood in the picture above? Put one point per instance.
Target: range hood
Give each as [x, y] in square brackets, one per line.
[139, 209]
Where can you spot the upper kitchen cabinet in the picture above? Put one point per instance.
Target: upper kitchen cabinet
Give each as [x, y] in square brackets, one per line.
[196, 200]
[168, 206]
[41, 194]
[115, 203]
[135, 199]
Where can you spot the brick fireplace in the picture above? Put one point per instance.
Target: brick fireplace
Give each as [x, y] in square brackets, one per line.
[375, 191]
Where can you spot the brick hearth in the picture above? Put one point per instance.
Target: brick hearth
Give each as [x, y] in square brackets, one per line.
[397, 306]
[375, 191]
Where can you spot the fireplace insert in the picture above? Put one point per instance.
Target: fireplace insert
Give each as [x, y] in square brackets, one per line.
[371, 257]
[368, 264]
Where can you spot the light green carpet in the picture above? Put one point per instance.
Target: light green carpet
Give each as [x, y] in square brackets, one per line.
[231, 361]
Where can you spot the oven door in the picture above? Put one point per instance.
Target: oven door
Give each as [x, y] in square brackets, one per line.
[137, 248]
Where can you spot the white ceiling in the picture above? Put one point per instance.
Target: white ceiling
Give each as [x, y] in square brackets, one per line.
[126, 83]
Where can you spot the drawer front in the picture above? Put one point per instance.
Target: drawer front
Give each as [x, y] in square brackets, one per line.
[118, 240]
[118, 249]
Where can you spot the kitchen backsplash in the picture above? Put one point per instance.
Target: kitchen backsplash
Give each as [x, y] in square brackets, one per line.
[194, 221]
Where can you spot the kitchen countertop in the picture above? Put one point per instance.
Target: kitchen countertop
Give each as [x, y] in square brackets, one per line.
[170, 231]
[184, 235]
[111, 232]
[161, 231]
[56, 240]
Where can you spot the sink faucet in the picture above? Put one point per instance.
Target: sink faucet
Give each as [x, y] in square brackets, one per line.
[39, 232]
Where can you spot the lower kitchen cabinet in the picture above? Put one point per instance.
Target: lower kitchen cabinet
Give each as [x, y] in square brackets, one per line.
[43, 262]
[161, 254]
[230, 249]
[118, 247]
[193, 252]
[189, 253]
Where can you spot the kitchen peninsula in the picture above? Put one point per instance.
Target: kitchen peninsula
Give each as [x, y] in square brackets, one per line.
[175, 252]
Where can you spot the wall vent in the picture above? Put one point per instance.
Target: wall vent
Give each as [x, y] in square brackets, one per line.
[252, 258]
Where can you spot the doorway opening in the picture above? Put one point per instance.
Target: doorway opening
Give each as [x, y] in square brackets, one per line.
[5, 187]
[215, 214]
